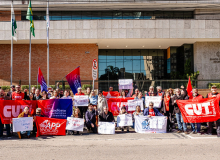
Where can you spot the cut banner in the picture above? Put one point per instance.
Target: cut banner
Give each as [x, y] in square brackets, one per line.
[81, 100]
[12, 108]
[124, 120]
[154, 124]
[50, 126]
[155, 99]
[106, 128]
[56, 108]
[75, 124]
[198, 111]
[133, 103]
[22, 124]
[115, 104]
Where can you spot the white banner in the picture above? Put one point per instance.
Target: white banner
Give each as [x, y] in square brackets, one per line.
[124, 120]
[133, 103]
[155, 99]
[81, 100]
[75, 124]
[22, 124]
[154, 124]
[125, 83]
[106, 128]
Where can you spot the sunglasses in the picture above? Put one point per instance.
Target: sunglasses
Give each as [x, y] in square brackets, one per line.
[150, 105]
[38, 112]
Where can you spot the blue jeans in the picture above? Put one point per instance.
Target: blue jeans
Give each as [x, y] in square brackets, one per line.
[194, 128]
[179, 118]
[28, 132]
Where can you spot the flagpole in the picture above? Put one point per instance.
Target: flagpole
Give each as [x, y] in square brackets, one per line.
[48, 60]
[11, 45]
[30, 64]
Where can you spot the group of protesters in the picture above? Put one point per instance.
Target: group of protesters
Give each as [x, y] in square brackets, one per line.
[97, 109]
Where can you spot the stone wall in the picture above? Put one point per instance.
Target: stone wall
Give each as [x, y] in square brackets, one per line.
[63, 59]
[207, 62]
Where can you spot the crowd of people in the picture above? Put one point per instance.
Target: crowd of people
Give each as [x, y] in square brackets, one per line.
[97, 109]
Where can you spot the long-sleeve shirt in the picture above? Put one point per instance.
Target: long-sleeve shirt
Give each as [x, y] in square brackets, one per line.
[94, 100]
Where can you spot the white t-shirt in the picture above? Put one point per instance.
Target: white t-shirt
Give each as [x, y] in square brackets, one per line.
[69, 97]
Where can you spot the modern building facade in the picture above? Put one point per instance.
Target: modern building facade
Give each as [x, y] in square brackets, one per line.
[139, 40]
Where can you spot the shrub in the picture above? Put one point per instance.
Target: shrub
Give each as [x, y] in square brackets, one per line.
[86, 86]
[211, 84]
[5, 87]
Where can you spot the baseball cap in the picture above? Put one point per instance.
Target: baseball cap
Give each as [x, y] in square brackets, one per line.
[214, 86]
[79, 88]
[12, 86]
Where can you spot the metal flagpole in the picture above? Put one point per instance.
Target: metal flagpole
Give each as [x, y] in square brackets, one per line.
[30, 64]
[48, 61]
[11, 44]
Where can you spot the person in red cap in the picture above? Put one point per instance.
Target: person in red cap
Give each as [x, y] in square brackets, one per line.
[18, 95]
[213, 94]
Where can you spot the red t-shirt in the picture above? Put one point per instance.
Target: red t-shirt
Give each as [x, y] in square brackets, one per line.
[151, 112]
[77, 94]
[17, 96]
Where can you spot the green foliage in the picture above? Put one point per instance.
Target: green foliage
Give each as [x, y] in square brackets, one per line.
[211, 84]
[5, 87]
[86, 86]
[23, 87]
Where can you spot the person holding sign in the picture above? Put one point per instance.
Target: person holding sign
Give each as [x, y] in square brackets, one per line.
[90, 117]
[137, 113]
[123, 111]
[93, 98]
[25, 114]
[106, 116]
[151, 111]
[77, 114]
[136, 93]
[151, 91]
[140, 97]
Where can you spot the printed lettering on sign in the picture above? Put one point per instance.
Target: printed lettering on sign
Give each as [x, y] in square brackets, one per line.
[14, 110]
[199, 109]
[47, 127]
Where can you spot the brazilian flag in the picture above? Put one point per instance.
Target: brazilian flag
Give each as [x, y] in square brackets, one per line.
[29, 16]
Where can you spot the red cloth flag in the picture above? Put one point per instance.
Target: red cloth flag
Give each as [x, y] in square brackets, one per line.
[50, 126]
[115, 104]
[111, 93]
[189, 89]
[12, 108]
[199, 110]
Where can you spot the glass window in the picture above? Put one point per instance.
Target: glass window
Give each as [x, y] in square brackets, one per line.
[138, 15]
[136, 54]
[117, 15]
[137, 64]
[178, 15]
[168, 15]
[127, 15]
[188, 15]
[56, 16]
[106, 15]
[148, 15]
[110, 54]
[86, 15]
[67, 15]
[158, 14]
[76, 15]
[96, 15]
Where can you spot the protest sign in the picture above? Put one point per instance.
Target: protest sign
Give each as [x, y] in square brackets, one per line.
[155, 99]
[115, 104]
[106, 128]
[50, 126]
[198, 111]
[154, 124]
[75, 124]
[22, 124]
[12, 108]
[124, 120]
[56, 108]
[133, 103]
[81, 100]
[125, 83]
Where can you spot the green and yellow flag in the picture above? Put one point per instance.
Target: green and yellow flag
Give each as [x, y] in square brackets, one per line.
[29, 16]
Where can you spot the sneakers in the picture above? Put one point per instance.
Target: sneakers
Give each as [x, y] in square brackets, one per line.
[185, 132]
[193, 132]
[122, 130]
[198, 133]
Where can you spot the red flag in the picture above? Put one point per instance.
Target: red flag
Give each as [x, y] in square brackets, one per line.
[50, 126]
[189, 89]
[12, 108]
[114, 105]
[199, 110]
[111, 93]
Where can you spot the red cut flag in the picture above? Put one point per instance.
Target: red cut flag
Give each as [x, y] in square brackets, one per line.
[199, 110]
[50, 126]
[189, 89]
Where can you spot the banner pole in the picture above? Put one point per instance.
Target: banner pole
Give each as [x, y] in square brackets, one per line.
[48, 59]
[11, 45]
[93, 85]
[30, 64]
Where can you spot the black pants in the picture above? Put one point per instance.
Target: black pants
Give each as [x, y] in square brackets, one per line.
[218, 127]
[83, 110]
[94, 129]
[169, 120]
[2, 128]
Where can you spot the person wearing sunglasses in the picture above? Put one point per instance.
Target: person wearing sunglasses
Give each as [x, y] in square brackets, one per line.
[151, 111]
[38, 114]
